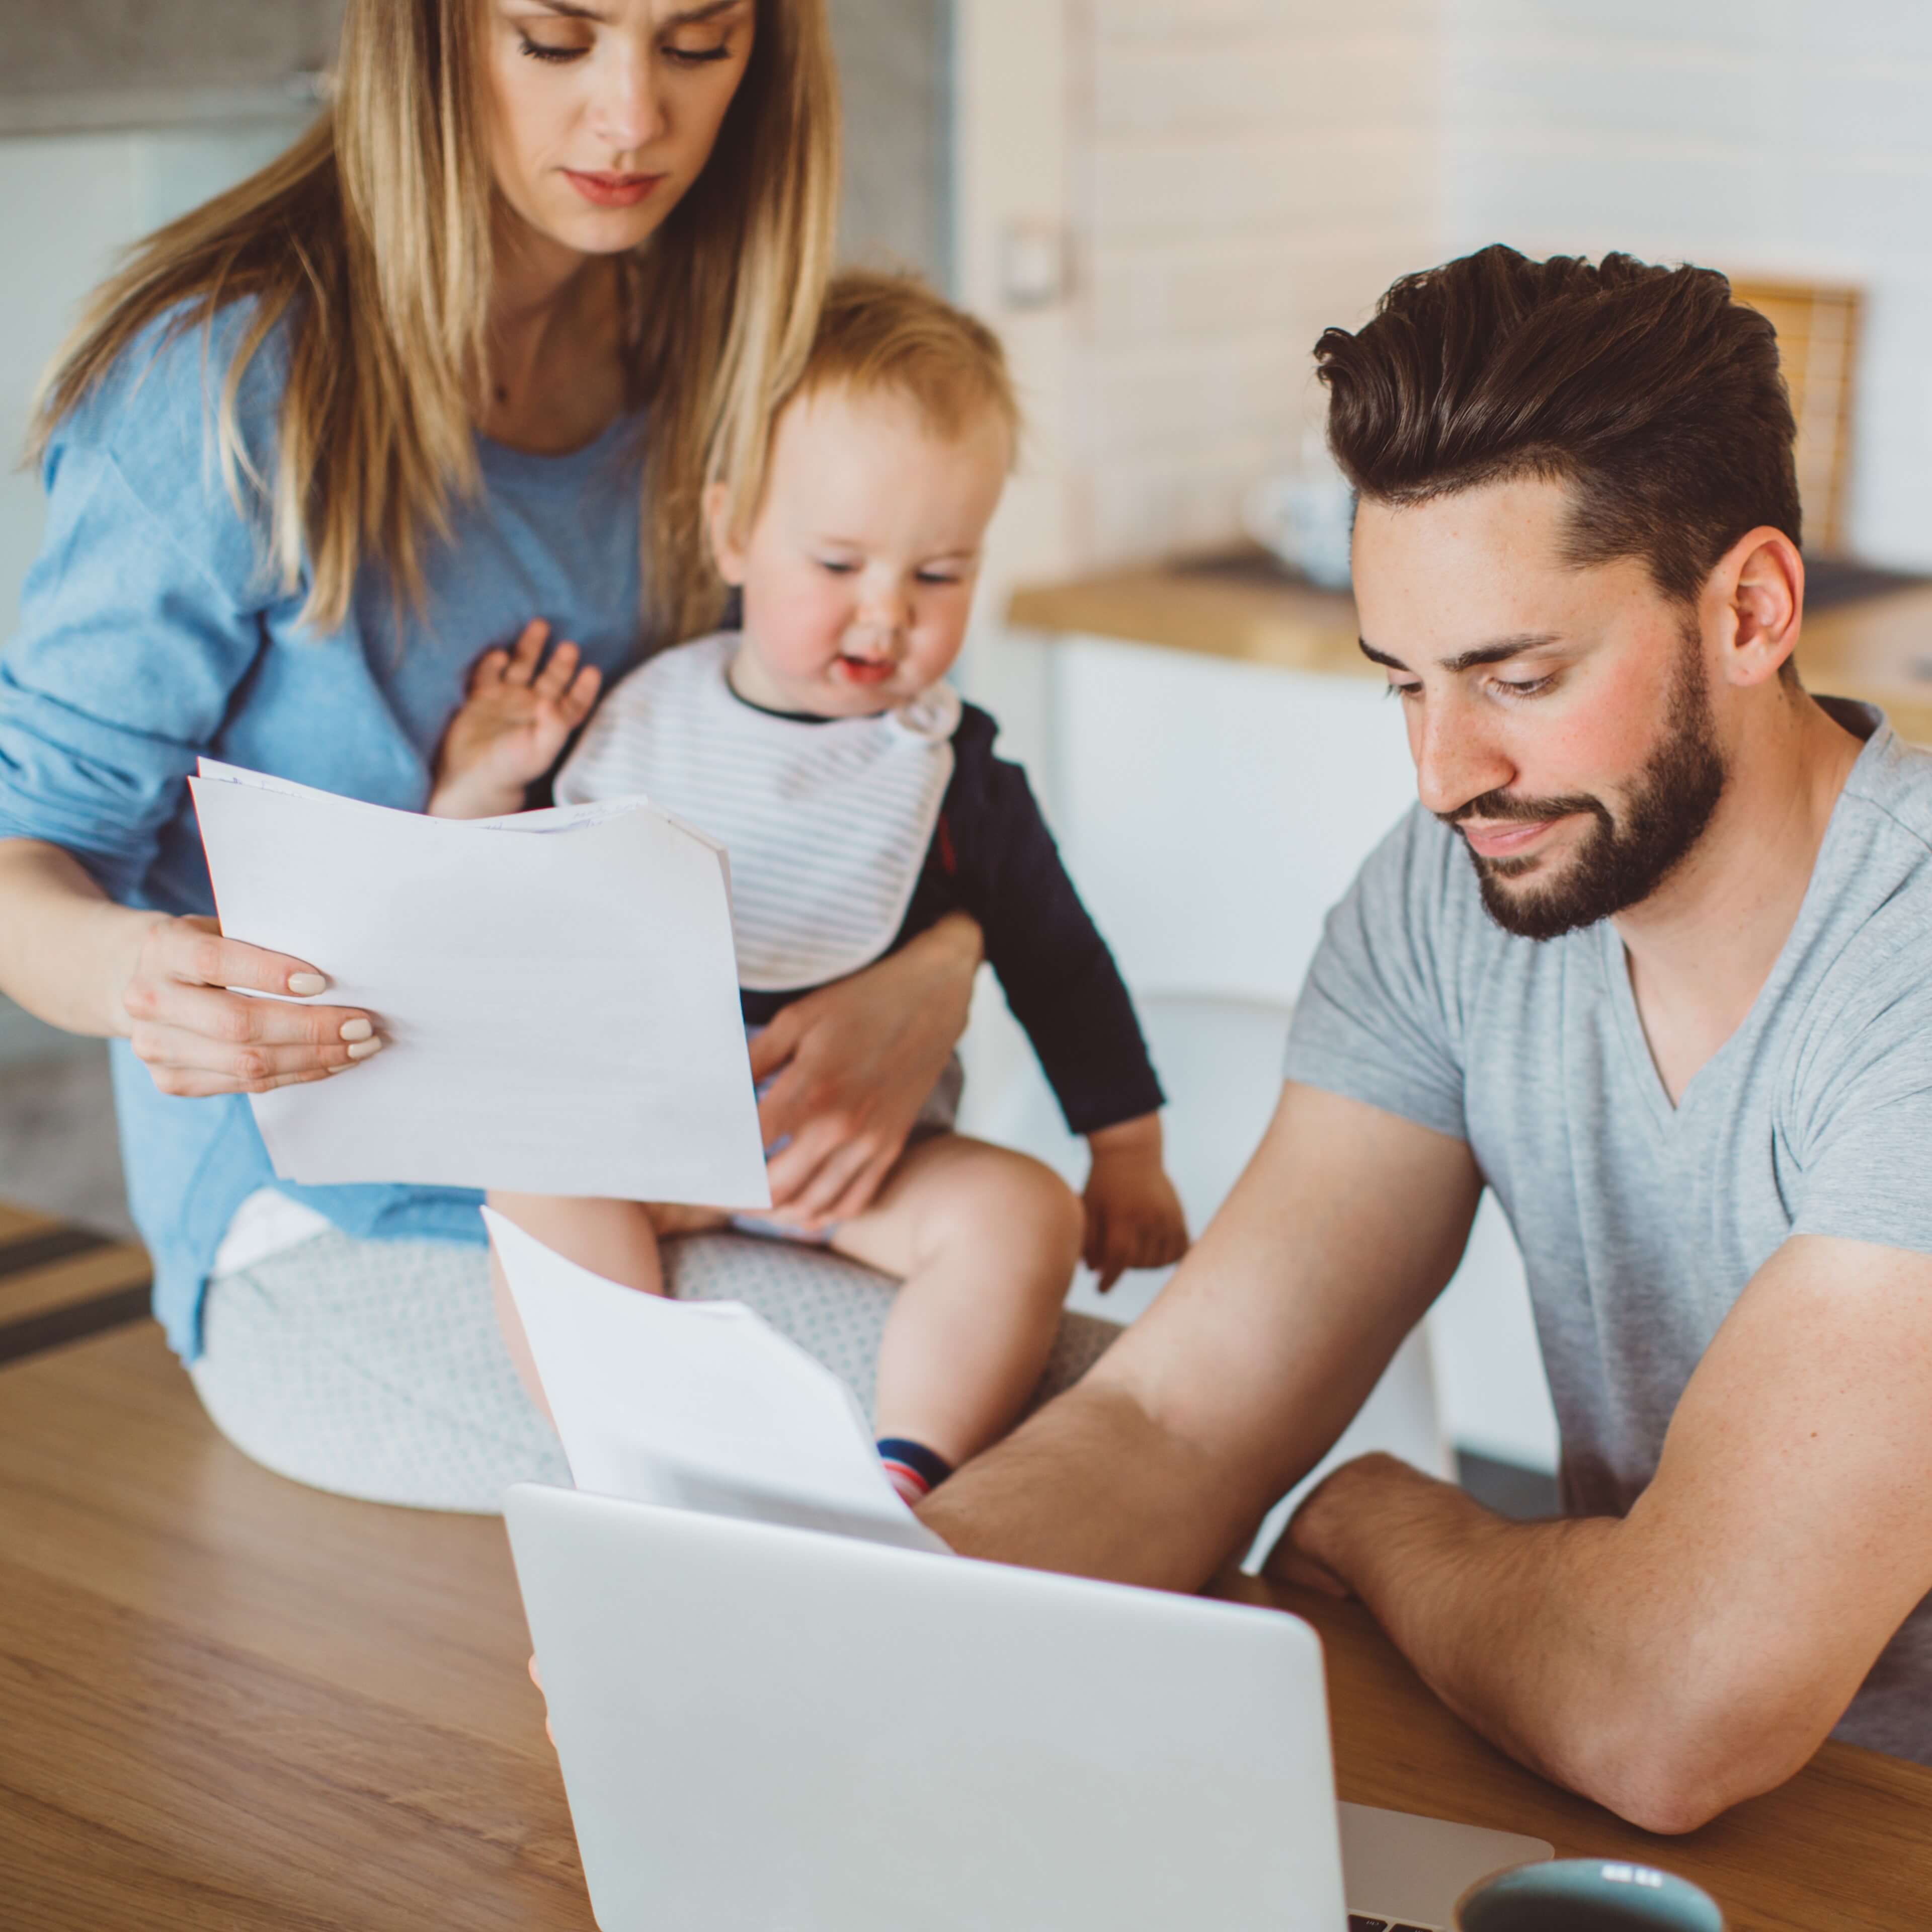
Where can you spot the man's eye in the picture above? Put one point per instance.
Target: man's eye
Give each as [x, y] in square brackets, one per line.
[1404, 691]
[1525, 687]
[545, 50]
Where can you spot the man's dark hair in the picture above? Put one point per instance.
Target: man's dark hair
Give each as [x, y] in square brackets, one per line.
[1649, 391]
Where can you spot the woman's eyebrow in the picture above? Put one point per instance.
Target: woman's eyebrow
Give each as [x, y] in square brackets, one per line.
[687, 16]
[692, 17]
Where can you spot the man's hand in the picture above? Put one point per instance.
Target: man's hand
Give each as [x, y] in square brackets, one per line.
[1241, 1376]
[1290, 1563]
[519, 712]
[1134, 1217]
[1695, 1653]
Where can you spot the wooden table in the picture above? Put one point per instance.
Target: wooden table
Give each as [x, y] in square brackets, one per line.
[58, 1283]
[227, 1701]
[1878, 650]
[1847, 1844]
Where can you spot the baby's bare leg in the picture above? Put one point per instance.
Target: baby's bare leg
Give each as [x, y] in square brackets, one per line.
[985, 1240]
[614, 1239]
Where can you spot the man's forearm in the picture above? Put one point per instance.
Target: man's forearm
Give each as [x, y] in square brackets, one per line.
[1567, 1643]
[1474, 1601]
[1239, 1377]
[1093, 1486]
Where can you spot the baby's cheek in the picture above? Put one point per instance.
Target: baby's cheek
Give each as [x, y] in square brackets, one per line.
[935, 647]
[798, 624]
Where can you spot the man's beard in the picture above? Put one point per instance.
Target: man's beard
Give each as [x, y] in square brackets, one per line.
[1626, 858]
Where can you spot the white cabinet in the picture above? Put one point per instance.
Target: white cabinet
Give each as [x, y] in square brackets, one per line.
[1211, 812]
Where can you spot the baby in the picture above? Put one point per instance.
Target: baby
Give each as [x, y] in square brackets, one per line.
[861, 803]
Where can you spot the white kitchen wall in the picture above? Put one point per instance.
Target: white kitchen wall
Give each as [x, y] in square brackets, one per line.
[1016, 119]
[1233, 175]
[1791, 136]
[894, 71]
[1229, 176]
[1250, 171]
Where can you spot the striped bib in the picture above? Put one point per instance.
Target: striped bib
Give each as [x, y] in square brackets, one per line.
[827, 821]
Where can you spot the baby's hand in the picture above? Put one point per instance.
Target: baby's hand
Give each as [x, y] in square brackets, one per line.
[519, 714]
[1134, 1217]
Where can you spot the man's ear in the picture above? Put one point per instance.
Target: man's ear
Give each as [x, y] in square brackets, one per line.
[728, 552]
[1761, 581]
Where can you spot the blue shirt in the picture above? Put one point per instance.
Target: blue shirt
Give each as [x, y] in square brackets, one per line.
[153, 631]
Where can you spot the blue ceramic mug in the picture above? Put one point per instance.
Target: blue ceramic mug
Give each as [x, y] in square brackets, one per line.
[1587, 1895]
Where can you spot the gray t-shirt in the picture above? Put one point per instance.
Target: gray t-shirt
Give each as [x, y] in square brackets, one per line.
[1641, 1223]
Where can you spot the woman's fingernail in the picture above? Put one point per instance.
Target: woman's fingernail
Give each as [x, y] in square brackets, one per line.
[305, 985]
[366, 1050]
[357, 1030]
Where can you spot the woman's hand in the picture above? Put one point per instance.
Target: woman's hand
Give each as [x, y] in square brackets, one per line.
[1134, 1217]
[197, 1038]
[519, 714]
[855, 1062]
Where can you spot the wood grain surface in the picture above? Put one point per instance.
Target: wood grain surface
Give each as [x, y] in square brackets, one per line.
[1845, 1846]
[59, 1281]
[229, 1704]
[1879, 650]
[232, 1702]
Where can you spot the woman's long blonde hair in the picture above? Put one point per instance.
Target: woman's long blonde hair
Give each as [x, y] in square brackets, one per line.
[371, 238]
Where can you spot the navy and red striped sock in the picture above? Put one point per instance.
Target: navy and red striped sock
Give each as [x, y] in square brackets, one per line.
[912, 1468]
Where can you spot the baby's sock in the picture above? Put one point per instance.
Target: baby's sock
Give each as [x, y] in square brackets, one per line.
[912, 1468]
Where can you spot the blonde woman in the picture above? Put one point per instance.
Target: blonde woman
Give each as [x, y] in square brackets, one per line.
[469, 353]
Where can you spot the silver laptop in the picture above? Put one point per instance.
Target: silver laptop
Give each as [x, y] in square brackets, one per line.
[765, 1730]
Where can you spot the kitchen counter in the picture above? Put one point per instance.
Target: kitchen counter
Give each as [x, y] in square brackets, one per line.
[1877, 647]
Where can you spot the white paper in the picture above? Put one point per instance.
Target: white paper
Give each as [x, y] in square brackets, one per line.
[697, 1405]
[558, 993]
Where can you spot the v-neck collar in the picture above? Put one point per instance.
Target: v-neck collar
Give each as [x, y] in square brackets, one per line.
[1665, 1113]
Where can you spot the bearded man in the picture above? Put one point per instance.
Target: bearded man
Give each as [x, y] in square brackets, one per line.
[1651, 958]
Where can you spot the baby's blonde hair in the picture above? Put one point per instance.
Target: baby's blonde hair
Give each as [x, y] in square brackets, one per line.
[892, 334]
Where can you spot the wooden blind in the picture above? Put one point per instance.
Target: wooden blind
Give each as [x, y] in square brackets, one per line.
[1818, 327]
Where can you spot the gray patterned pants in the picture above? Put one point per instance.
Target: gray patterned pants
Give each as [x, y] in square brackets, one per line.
[375, 1369]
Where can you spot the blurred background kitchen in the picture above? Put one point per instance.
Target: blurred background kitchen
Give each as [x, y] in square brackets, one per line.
[1161, 203]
